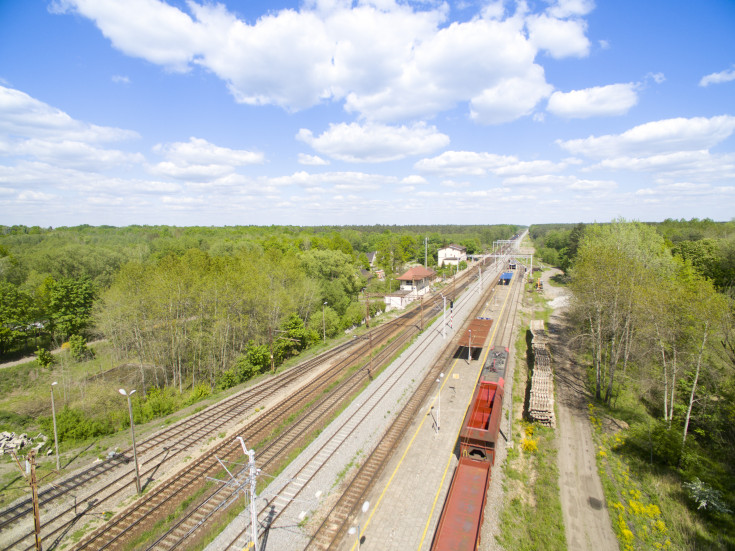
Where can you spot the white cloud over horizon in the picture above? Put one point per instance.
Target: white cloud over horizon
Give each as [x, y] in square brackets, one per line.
[599, 101]
[727, 75]
[374, 143]
[326, 52]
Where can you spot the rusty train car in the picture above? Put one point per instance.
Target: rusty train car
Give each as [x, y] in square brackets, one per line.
[461, 519]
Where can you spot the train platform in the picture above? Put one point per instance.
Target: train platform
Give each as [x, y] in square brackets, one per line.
[406, 501]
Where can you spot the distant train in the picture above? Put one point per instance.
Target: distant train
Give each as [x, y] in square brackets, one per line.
[461, 519]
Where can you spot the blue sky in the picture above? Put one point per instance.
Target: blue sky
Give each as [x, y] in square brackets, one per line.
[336, 112]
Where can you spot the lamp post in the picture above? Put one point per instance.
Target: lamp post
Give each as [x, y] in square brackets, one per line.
[132, 432]
[356, 529]
[324, 323]
[469, 348]
[56, 434]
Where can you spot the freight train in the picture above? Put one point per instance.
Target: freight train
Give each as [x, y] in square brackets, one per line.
[461, 519]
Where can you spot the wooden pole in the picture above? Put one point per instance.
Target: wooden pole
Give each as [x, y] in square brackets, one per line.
[31, 458]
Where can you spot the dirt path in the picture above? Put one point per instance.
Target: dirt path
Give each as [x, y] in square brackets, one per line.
[586, 517]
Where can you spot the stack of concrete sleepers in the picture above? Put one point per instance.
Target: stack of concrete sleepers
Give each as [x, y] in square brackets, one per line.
[541, 401]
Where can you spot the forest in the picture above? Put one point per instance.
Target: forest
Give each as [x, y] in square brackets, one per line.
[653, 320]
[185, 311]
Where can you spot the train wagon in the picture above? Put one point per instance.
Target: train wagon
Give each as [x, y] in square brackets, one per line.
[461, 520]
[482, 421]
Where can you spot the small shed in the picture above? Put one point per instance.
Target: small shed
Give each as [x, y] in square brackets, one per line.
[397, 300]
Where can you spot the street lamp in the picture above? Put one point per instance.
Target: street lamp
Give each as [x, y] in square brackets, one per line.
[469, 349]
[132, 432]
[324, 323]
[56, 434]
[356, 529]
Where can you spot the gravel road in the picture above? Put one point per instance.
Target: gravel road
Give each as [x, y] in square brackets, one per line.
[586, 517]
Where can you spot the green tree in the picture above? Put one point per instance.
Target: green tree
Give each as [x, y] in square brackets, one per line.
[70, 306]
[613, 270]
[15, 315]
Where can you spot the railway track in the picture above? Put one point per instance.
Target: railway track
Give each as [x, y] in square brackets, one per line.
[169, 444]
[276, 507]
[136, 517]
[335, 525]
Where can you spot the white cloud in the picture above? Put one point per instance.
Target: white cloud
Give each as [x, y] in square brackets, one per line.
[311, 160]
[654, 138]
[22, 116]
[201, 161]
[374, 143]
[613, 99]
[149, 29]
[327, 51]
[73, 154]
[194, 173]
[347, 180]
[464, 163]
[510, 99]
[200, 152]
[568, 8]
[414, 180]
[120, 79]
[35, 196]
[687, 189]
[717, 78]
[560, 37]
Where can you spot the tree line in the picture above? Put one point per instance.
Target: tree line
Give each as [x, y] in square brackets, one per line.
[654, 318]
[191, 301]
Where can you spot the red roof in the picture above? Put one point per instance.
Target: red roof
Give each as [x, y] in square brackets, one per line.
[419, 272]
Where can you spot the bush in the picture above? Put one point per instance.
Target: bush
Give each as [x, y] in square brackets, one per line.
[199, 392]
[44, 357]
[157, 403]
[228, 379]
[656, 439]
[13, 422]
[74, 424]
[79, 349]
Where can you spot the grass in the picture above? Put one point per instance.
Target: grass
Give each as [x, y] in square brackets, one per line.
[649, 508]
[532, 516]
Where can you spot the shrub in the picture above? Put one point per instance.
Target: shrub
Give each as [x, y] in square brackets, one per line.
[199, 392]
[228, 379]
[79, 349]
[74, 424]
[44, 357]
[157, 403]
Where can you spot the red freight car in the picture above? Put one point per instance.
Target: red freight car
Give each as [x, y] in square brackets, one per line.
[482, 422]
[461, 519]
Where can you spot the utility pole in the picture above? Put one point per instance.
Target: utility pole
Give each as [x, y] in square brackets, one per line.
[422, 312]
[253, 473]
[444, 318]
[31, 479]
[426, 252]
[56, 434]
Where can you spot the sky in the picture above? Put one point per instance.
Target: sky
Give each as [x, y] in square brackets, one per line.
[197, 112]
